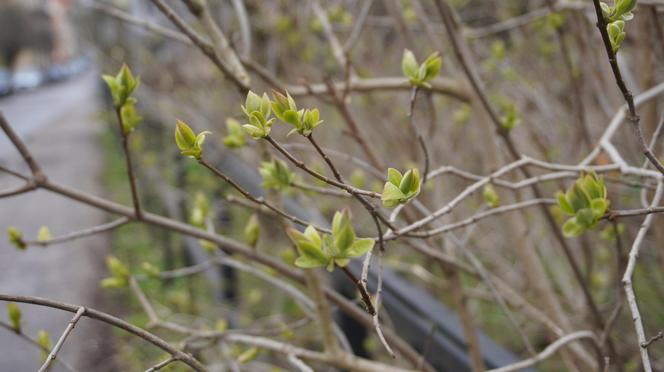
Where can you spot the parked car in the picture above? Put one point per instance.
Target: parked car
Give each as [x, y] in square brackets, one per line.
[27, 79]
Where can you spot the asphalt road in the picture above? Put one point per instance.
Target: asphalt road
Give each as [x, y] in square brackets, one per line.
[59, 124]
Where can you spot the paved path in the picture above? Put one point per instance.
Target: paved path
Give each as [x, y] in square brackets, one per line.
[59, 124]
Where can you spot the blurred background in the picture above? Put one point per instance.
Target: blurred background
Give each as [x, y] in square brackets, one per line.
[53, 52]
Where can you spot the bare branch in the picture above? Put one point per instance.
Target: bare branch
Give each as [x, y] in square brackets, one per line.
[58, 345]
[547, 352]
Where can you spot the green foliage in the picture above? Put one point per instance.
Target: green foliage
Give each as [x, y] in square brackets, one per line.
[621, 10]
[44, 341]
[122, 86]
[150, 269]
[248, 355]
[616, 34]
[119, 274]
[610, 232]
[615, 17]
[16, 238]
[586, 201]
[498, 50]
[399, 189]
[555, 20]
[461, 116]
[304, 120]
[200, 211]
[490, 195]
[328, 250]
[129, 116]
[419, 75]
[190, 144]
[14, 315]
[357, 178]
[276, 175]
[44, 234]
[252, 231]
[258, 110]
[236, 137]
[510, 118]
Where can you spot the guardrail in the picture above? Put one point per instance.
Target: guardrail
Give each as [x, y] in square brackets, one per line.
[429, 326]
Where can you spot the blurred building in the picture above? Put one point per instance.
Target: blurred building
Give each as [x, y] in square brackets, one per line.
[35, 32]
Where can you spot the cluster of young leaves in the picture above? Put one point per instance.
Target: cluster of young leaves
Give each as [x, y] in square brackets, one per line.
[119, 274]
[329, 250]
[615, 17]
[16, 238]
[190, 144]
[276, 175]
[258, 110]
[236, 137]
[122, 86]
[400, 188]
[303, 120]
[586, 201]
[419, 74]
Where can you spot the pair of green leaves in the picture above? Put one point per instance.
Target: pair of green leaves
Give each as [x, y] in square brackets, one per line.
[16, 237]
[276, 175]
[419, 74]
[258, 110]
[615, 16]
[190, 144]
[119, 274]
[236, 137]
[586, 201]
[400, 188]
[122, 86]
[329, 250]
[304, 120]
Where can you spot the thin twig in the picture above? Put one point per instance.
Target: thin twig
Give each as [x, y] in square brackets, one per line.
[547, 352]
[629, 272]
[161, 364]
[35, 344]
[366, 298]
[418, 133]
[61, 341]
[632, 116]
[37, 173]
[652, 339]
[82, 233]
[130, 168]
[111, 320]
[257, 200]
